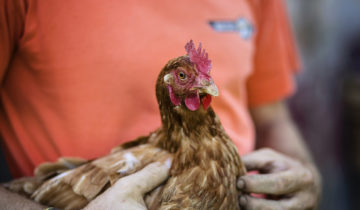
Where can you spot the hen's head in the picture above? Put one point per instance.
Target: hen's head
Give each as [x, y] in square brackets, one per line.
[187, 79]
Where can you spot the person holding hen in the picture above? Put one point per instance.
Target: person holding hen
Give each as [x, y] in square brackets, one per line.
[77, 79]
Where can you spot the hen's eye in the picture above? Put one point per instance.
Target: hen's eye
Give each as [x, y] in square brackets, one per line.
[182, 75]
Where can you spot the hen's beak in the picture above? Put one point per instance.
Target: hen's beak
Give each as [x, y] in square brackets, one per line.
[210, 89]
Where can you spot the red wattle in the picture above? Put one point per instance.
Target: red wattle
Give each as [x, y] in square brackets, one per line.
[192, 101]
[206, 100]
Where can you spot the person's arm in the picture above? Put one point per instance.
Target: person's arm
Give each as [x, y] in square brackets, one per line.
[287, 172]
[11, 28]
[10, 200]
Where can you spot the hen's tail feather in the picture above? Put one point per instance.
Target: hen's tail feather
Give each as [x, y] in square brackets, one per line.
[28, 185]
[25, 185]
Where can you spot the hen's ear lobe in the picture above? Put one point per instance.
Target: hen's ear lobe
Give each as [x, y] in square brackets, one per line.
[168, 79]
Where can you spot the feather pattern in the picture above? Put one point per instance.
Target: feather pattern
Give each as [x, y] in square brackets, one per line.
[205, 163]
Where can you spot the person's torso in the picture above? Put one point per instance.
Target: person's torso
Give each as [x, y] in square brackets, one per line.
[83, 77]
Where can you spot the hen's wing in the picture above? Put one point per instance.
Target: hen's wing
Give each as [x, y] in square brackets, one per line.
[27, 185]
[58, 185]
[73, 189]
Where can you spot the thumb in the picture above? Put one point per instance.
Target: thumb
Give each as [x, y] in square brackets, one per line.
[151, 176]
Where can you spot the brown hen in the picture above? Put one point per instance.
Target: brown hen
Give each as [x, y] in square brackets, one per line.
[205, 162]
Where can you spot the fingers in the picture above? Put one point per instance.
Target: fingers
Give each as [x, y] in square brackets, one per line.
[283, 174]
[298, 202]
[149, 177]
[276, 183]
[265, 160]
[248, 202]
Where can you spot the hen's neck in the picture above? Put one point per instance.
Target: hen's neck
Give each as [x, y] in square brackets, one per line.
[197, 142]
[186, 132]
[180, 125]
[194, 136]
[180, 121]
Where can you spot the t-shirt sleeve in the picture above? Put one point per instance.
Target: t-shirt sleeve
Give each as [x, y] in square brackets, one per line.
[275, 59]
[12, 14]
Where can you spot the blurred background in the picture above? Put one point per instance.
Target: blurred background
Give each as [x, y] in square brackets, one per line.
[327, 103]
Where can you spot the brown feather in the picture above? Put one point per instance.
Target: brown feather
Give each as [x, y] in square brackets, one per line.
[203, 174]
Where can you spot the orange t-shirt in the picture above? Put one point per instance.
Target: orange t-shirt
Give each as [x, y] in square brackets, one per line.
[78, 77]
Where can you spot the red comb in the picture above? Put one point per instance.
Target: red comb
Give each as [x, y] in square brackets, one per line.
[199, 57]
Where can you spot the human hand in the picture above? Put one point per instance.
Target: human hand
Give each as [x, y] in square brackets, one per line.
[128, 192]
[286, 182]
